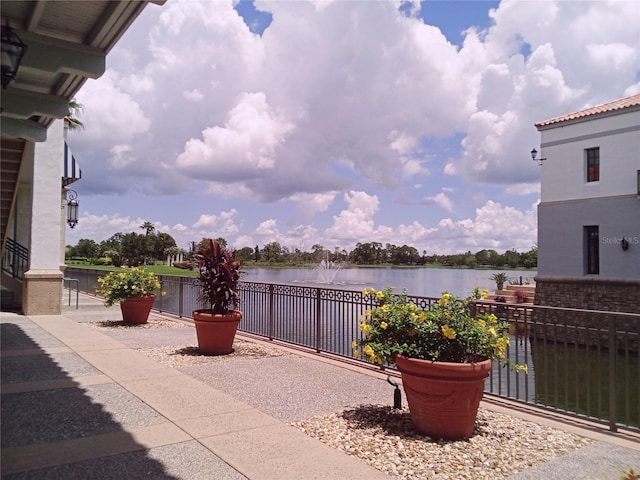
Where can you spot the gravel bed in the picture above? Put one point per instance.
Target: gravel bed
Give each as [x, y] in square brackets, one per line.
[190, 355]
[384, 438]
[152, 323]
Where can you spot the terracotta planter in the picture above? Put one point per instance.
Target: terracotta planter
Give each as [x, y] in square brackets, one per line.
[136, 309]
[443, 397]
[216, 332]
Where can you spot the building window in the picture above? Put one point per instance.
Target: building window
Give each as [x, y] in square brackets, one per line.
[593, 164]
[592, 250]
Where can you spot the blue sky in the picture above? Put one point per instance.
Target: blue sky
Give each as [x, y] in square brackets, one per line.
[337, 122]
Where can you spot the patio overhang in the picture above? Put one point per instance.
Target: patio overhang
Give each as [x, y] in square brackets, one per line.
[67, 43]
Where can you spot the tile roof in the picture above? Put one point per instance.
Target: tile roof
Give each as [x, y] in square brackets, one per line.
[621, 104]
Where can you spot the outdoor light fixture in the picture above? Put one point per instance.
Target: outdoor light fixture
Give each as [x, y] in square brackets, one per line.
[624, 243]
[72, 208]
[12, 52]
[534, 154]
[397, 394]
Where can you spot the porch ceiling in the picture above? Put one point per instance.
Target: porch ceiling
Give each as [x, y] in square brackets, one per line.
[67, 43]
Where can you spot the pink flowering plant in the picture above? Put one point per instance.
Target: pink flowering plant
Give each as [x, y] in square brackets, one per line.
[447, 332]
[127, 283]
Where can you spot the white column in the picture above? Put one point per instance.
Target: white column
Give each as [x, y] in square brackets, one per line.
[43, 281]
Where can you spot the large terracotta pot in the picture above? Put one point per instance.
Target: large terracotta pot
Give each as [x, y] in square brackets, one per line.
[137, 309]
[443, 397]
[216, 331]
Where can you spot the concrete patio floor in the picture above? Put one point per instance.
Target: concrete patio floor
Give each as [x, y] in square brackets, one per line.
[82, 403]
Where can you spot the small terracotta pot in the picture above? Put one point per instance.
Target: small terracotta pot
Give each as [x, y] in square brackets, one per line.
[443, 397]
[136, 309]
[216, 331]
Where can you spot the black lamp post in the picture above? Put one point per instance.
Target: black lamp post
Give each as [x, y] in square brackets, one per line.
[534, 154]
[13, 50]
[72, 208]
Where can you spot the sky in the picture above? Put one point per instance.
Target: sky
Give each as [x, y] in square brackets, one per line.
[337, 122]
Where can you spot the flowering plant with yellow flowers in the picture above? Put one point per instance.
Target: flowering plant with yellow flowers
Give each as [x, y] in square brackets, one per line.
[447, 332]
[127, 283]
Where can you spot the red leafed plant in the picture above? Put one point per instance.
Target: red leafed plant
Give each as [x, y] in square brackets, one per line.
[218, 276]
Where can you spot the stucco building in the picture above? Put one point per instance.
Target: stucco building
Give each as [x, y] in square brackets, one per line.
[589, 213]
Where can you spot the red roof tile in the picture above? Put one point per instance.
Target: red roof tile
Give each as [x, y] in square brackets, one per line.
[621, 104]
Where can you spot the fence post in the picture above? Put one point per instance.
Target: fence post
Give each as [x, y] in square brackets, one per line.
[318, 320]
[181, 296]
[271, 311]
[613, 393]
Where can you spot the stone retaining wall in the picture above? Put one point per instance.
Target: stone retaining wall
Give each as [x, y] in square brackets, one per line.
[584, 328]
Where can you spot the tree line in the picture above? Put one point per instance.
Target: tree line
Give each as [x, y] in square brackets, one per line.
[144, 248]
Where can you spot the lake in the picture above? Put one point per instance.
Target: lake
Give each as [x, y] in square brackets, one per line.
[428, 282]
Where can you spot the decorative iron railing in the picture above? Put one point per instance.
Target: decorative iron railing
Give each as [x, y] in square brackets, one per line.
[581, 362]
[15, 260]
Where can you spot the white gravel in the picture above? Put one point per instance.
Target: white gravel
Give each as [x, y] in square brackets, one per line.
[153, 323]
[384, 438]
[190, 355]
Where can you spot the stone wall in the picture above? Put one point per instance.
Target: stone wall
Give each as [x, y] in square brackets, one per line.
[587, 328]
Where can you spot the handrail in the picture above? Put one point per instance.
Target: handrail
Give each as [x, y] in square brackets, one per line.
[15, 260]
[67, 279]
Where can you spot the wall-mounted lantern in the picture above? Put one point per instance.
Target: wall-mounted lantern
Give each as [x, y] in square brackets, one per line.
[72, 208]
[13, 50]
[624, 244]
[534, 154]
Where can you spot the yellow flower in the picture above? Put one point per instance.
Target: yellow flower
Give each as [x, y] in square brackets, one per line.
[384, 325]
[385, 308]
[492, 331]
[482, 323]
[357, 353]
[369, 352]
[448, 332]
[380, 295]
[367, 313]
[502, 344]
[354, 344]
[366, 328]
[485, 293]
[445, 298]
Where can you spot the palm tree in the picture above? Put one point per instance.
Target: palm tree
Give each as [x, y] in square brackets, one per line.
[75, 110]
[149, 228]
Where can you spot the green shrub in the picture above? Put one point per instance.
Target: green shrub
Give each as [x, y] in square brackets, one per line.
[184, 265]
[102, 261]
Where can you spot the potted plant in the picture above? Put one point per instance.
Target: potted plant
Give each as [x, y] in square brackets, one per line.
[134, 288]
[500, 279]
[218, 276]
[444, 355]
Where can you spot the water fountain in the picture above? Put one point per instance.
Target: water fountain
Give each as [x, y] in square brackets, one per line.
[327, 270]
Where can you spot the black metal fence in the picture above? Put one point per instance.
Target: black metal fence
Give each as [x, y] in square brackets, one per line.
[580, 362]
